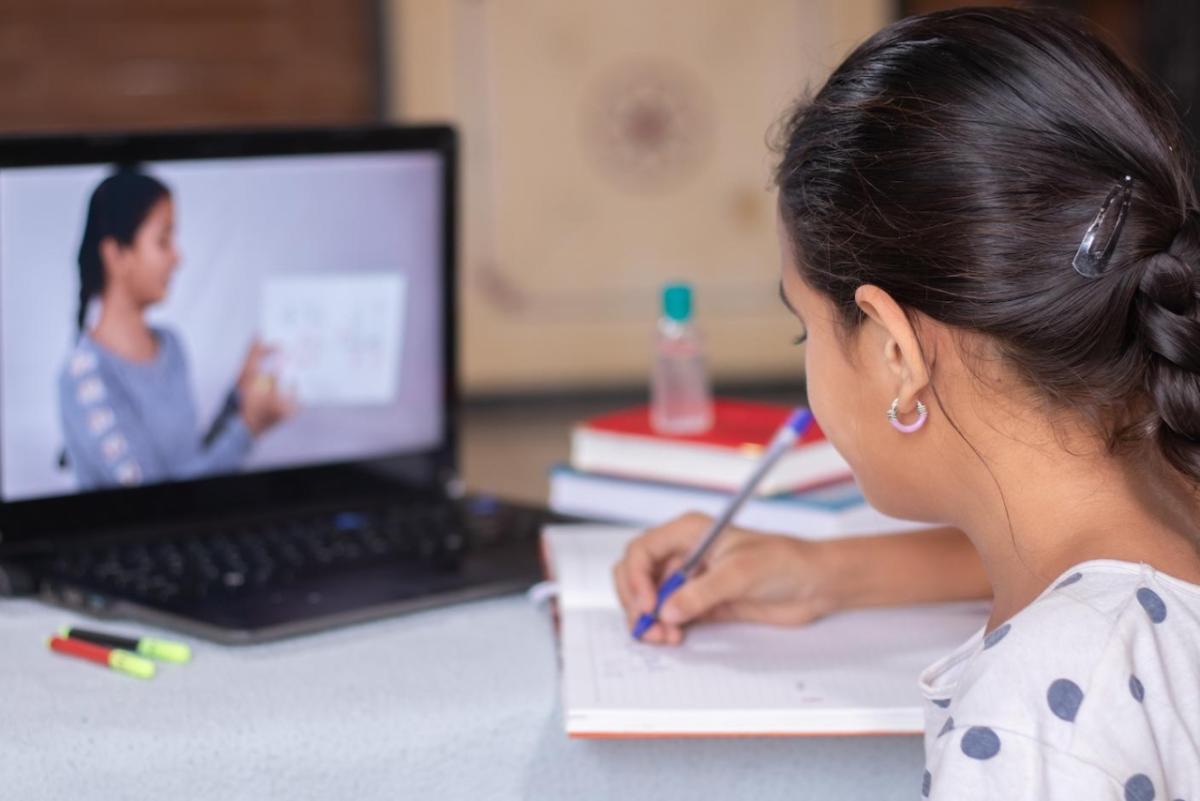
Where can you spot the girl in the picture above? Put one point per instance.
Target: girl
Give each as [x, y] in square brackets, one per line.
[124, 398]
[991, 237]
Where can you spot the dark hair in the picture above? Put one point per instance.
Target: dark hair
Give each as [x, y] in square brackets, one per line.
[956, 159]
[118, 207]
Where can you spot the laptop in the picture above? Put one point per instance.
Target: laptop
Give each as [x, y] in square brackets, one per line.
[227, 382]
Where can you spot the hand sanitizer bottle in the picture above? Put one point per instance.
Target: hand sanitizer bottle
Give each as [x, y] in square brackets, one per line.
[680, 399]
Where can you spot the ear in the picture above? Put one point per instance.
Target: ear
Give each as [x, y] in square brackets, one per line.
[111, 255]
[902, 353]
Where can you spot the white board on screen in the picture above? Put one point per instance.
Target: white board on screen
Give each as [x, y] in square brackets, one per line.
[337, 337]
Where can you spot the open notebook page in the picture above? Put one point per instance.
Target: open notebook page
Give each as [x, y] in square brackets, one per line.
[853, 672]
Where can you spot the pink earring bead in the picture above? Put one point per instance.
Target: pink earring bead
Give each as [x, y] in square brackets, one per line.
[907, 428]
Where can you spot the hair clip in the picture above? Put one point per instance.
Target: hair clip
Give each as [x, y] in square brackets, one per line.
[1100, 238]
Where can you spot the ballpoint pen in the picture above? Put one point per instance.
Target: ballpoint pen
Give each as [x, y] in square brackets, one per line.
[797, 423]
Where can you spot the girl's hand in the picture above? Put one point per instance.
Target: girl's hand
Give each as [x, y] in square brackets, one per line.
[262, 405]
[746, 575]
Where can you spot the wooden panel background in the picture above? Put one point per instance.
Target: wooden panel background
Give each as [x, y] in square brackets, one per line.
[611, 145]
[108, 64]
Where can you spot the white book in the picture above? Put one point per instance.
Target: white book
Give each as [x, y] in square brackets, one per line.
[849, 673]
[834, 510]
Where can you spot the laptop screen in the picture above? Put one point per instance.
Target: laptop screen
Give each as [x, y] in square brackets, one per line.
[174, 320]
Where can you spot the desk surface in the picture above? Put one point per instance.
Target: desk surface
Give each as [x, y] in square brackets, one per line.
[457, 703]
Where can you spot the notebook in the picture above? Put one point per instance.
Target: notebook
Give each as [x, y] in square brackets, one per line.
[623, 444]
[832, 510]
[850, 673]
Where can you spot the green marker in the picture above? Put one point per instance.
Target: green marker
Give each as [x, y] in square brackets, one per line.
[120, 661]
[162, 650]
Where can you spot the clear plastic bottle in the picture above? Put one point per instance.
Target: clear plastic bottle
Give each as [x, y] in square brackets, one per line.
[680, 398]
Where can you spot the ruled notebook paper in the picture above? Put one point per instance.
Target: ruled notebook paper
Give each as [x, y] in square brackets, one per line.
[854, 672]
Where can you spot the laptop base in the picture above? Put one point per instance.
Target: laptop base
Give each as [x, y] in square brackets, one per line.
[499, 554]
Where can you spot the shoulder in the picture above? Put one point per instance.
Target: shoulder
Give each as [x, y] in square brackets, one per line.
[80, 379]
[81, 359]
[1070, 678]
[1041, 660]
[1107, 611]
[166, 337]
[171, 344]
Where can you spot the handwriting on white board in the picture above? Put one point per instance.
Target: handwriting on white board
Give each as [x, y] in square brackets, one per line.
[338, 337]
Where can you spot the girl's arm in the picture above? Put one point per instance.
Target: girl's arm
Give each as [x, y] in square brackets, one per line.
[785, 580]
[106, 444]
[896, 569]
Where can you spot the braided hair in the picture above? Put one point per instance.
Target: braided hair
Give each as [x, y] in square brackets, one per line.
[1168, 317]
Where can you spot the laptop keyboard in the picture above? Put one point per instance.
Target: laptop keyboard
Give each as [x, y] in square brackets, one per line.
[253, 557]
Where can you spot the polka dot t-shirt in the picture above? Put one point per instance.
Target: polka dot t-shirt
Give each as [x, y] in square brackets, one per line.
[1090, 692]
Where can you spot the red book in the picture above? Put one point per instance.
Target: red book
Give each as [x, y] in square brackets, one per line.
[623, 444]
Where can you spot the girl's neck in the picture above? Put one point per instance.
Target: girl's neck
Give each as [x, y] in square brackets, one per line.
[122, 329]
[1060, 508]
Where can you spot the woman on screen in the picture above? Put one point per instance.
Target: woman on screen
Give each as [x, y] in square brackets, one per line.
[125, 397]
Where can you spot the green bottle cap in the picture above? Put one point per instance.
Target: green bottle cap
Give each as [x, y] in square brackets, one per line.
[677, 302]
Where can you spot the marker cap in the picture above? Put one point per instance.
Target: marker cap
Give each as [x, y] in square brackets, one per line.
[164, 650]
[131, 664]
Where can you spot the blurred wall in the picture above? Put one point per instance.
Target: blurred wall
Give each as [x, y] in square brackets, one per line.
[610, 145]
[122, 64]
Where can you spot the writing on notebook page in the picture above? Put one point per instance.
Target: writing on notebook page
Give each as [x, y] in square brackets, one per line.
[846, 658]
[854, 671]
[639, 674]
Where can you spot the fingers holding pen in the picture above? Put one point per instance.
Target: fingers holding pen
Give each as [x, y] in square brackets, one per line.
[747, 576]
[635, 605]
[647, 561]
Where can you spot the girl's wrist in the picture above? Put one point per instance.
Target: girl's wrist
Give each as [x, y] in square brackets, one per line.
[858, 573]
[904, 568]
[837, 568]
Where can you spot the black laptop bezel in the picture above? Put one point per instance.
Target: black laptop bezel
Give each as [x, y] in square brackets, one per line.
[71, 517]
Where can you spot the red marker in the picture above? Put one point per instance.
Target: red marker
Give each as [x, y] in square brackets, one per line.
[118, 660]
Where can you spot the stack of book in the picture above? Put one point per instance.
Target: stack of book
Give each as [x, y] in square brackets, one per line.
[622, 471]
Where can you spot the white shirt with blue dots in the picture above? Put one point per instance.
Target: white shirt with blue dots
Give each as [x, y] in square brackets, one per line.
[1090, 692]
